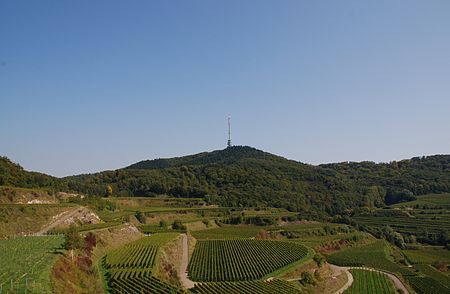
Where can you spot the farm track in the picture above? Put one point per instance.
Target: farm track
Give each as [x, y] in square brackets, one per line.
[61, 218]
[183, 274]
[339, 269]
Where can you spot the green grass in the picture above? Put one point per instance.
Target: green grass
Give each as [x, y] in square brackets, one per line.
[228, 232]
[27, 262]
[242, 260]
[370, 282]
[262, 287]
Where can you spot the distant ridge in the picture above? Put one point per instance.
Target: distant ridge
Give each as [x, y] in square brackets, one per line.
[243, 176]
[226, 156]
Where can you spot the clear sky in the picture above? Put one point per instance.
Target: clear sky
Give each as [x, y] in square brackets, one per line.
[92, 85]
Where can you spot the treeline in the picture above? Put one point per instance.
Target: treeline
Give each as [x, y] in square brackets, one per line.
[246, 177]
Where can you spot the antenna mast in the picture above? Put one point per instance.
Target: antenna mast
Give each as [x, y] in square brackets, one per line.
[229, 132]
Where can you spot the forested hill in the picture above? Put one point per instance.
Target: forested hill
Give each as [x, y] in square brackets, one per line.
[244, 176]
[12, 174]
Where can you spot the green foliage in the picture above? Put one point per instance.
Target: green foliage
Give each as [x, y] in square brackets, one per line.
[241, 260]
[27, 261]
[140, 216]
[178, 225]
[73, 239]
[307, 279]
[262, 287]
[246, 177]
[365, 281]
[319, 259]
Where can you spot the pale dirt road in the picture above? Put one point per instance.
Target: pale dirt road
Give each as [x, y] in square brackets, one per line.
[182, 274]
[61, 218]
[337, 271]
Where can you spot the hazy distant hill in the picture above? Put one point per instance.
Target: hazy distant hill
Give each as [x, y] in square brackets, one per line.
[244, 176]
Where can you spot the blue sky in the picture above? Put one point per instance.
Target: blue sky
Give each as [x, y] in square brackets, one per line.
[93, 85]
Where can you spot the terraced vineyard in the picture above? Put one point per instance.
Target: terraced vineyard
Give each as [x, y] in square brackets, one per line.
[232, 232]
[261, 287]
[25, 263]
[370, 282]
[242, 260]
[138, 281]
[130, 267]
[417, 225]
[427, 285]
[132, 256]
[373, 255]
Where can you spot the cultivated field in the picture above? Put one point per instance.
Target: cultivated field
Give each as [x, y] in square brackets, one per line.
[260, 287]
[25, 263]
[372, 282]
[242, 260]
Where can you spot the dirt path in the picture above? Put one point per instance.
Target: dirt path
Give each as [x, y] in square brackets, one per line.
[337, 270]
[182, 274]
[59, 219]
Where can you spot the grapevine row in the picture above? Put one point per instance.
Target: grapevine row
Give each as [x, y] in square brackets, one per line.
[241, 260]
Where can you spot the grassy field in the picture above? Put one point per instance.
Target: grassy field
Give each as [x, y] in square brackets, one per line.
[25, 263]
[370, 282]
[241, 260]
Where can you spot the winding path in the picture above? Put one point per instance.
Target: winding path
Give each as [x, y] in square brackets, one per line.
[339, 269]
[182, 274]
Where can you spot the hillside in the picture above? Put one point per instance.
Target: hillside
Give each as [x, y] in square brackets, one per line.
[244, 176]
[13, 175]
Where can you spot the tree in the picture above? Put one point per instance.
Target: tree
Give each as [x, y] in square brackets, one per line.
[109, 191]
[90, 241]
[140, 216]
[73, 240]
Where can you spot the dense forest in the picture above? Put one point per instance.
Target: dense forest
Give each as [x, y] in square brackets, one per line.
[243, 176]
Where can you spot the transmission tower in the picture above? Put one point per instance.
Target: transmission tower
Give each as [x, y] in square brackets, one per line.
[229, 132]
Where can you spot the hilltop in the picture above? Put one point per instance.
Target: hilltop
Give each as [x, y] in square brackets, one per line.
[243, 176]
